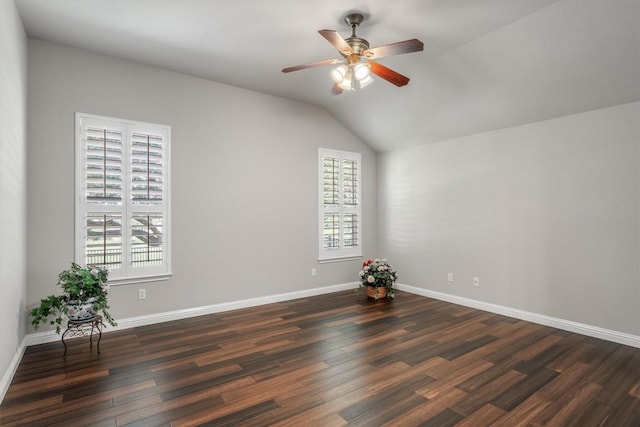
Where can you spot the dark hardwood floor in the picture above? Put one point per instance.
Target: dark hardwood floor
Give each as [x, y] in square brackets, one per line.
[331, 360]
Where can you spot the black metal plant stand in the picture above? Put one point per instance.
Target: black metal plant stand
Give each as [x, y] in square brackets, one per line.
[81, 328]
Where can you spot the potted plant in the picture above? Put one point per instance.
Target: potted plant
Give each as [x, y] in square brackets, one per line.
[84, 294]
[377, 278]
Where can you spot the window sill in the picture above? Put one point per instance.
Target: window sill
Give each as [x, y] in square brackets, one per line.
[339, 259]
[142, 279]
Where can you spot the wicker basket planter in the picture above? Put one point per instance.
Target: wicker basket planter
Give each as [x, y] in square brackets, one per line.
[376, 292]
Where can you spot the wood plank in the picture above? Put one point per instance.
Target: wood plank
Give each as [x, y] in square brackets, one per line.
[520, 391]
[523, 413]
[481, 397]
[435, 411]
[484, 416]
[562, 411]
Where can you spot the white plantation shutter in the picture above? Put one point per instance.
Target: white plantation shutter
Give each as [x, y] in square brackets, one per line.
[330, 181]
[340, 207]
[350, 230]
[351, 202]
[103, 157]
[104, 240]
[146, 239]
[146, 167]
[122, 190]
[330, 231]
[350, 170]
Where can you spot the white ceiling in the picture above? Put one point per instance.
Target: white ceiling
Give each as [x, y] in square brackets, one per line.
[487, 64]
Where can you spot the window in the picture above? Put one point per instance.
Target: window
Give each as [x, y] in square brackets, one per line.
[340, 207]
[122, 193]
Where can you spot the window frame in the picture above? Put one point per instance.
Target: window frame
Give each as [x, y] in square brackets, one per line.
[127, 208]
[342, 210]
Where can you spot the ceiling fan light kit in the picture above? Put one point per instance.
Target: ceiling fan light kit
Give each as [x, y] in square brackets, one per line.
[352, 77]
[358, 62]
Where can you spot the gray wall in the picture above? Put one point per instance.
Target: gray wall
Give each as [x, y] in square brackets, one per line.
[13, 182]
[244, 180]
[546, 214]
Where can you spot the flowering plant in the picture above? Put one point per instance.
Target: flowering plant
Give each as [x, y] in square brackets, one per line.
[79, 284]
[378, 273]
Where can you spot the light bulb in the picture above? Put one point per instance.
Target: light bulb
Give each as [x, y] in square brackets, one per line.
[361, 71]
[338, 73]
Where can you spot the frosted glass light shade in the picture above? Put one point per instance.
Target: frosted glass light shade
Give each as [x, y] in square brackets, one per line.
[361, 71]
[338, 73]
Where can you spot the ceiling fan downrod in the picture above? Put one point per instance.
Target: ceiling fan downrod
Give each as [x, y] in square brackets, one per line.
[358, 44]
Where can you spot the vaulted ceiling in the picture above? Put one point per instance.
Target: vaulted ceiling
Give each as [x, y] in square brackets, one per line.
[487, 64]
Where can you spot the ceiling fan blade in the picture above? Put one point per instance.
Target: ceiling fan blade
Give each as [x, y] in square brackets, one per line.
[337, 41]
[407, 46]
[388, 74]
[311, 65]
[336, 90]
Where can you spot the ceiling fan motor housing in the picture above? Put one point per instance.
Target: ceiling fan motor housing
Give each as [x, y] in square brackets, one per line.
[357, 44]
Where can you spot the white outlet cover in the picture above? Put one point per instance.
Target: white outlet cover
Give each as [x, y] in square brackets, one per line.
[476, 281]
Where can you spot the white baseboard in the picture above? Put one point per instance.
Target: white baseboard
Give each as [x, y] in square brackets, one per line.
[132, 322]
[567, 325]
[5, 382]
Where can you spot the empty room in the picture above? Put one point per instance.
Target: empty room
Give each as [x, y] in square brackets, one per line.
[320, 213]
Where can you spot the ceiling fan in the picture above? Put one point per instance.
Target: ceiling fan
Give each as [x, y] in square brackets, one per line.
[358, 62]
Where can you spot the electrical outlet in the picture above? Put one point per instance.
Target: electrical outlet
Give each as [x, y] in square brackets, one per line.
[476, 281]
[313, 272]
[450, 277]
[142, 294]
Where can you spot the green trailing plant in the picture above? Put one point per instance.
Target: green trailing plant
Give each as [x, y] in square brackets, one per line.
[79, 284]
[378, 273]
